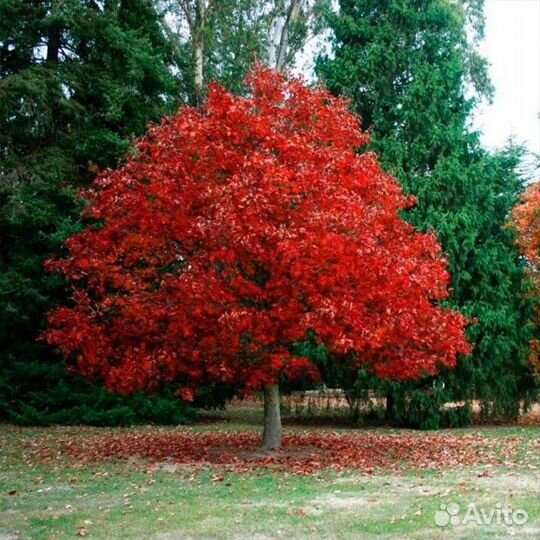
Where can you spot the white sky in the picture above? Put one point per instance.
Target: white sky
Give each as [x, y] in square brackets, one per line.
[512, 47]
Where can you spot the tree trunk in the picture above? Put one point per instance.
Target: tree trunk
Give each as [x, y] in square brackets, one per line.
[54, 38]
[293, 14]
[272, 418]
[198, 45]
[283, 20]
[202, 9]
[196, 15]
[390, 416]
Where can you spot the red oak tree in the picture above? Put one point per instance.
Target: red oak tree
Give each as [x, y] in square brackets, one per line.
[231, 232]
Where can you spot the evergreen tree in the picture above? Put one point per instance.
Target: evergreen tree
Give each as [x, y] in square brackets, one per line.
[413, 73]
[78, 79]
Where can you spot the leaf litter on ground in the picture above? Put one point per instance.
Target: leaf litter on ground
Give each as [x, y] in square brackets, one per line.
[301, 452]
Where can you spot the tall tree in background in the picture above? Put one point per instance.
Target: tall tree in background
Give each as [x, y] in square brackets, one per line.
[78, 79]
[412, 72]
[221, 40]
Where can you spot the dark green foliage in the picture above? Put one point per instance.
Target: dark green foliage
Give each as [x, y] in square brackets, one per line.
[422, 406]
[78, 80]
[73, 401]
[420, 409]
[214, 396]
[317, 353]
[358, 387]
[414, 76]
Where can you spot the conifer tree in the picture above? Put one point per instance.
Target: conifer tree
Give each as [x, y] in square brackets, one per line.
[78, 79]
[412, 71]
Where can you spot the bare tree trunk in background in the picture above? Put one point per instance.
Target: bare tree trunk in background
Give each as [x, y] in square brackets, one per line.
[202, 7]
[198, 46]
[272, 418]
[196, 15]
[279, 34]
[293, 14]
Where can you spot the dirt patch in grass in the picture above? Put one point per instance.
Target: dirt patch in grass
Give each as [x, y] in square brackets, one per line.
[341, 501]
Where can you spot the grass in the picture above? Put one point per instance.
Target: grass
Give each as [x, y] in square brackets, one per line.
[112, 500]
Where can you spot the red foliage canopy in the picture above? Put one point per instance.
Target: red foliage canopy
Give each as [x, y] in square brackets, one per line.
[526, 220]
[233, 231]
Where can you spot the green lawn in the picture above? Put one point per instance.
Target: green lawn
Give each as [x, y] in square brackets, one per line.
[63, 498]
